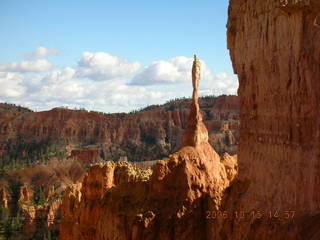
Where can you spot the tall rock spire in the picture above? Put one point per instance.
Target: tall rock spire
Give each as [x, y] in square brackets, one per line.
[196, 132]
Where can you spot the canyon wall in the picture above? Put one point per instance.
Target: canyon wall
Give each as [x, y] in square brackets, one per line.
[26, 168]
[274, 46]
[32, 197]
[146, 135]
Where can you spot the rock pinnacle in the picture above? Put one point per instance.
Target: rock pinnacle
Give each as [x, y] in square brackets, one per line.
[196, 132]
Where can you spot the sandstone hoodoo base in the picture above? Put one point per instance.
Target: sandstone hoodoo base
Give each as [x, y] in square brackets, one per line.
[120, 201]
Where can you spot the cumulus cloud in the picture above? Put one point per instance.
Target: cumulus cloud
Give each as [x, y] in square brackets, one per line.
[11, 85]
[60, 85]
[58, 76]
[106, 83]
[42, 52]
[40, 65]
[60, 88]
[138, 96]
[101, 66]
[221, 83]
[175, 70]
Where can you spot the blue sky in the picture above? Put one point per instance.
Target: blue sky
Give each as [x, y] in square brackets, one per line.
[153, 34]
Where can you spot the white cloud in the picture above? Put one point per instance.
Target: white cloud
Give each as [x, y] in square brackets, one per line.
[57, 76]
[40, 65]
[100, 82]
[175, 70]
[59, 88]
[11, 85]
[102, 66]
[133, 97]
[42, 52]
[221, 83]
[62, 85]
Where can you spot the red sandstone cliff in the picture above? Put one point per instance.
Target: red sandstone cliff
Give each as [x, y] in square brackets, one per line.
[120, 201]
[274, 46]
[146, 135]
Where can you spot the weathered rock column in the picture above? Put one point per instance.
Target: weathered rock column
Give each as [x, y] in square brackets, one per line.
[196, 132]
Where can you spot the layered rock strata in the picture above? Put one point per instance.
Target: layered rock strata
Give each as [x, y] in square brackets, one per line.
[142, 136]
[274, 46]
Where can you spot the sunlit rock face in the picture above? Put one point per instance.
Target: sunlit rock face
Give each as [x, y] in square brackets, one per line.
[196, 133]
[156, 131]
[120, 201]
[274, 46]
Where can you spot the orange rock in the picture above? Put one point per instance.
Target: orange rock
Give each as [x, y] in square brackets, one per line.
[120, 201]
[4, 198]
[24, 194]
[155, 132]
[196, 133]
[39, 219]
[274, 46]
[87, 155]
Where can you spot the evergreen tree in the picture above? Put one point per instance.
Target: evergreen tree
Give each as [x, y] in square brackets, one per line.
[39, 197]
[10, 226]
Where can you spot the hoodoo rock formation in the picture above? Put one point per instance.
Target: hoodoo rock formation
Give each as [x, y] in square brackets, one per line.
[149, 134]
[196, 133]
[120, 201]
[274, 46]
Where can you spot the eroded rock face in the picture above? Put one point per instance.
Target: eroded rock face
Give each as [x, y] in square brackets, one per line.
[87, 155]
[275, 52]
[120, 201]
[143, 136]
[34, 195]
[37, 220]
[83, 203]
[161, 128]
